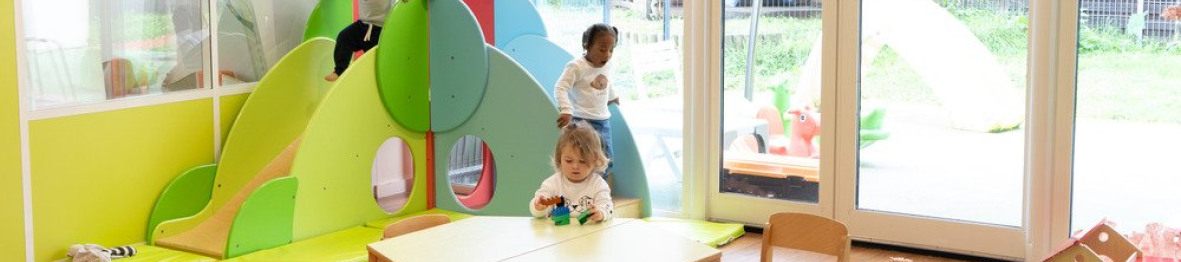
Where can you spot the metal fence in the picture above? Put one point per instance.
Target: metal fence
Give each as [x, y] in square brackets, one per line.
[1111, 15]
[466, 161]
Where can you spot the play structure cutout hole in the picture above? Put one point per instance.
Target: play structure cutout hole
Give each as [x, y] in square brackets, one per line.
[393, 174]
[471, 172]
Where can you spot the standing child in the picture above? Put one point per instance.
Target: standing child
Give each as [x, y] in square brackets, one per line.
[360, 35]
[583, 92]
[577, 157]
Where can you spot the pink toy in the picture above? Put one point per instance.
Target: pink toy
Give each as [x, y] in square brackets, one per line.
[1158, 243]
[806, 123]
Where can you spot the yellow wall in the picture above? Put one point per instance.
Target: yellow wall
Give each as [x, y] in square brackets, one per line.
[12, 225]
[96, 176]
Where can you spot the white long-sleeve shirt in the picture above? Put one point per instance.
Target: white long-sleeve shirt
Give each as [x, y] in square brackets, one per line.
[373, 11]
[575, 95]
[593, 191]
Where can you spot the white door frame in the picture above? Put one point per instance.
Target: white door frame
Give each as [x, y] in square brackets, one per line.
[755, 210]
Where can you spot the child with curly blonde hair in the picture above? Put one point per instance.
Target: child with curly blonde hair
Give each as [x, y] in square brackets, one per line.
[577, 157]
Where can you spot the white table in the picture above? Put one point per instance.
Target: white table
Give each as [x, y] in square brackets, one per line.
[627, 242]
[485, 238]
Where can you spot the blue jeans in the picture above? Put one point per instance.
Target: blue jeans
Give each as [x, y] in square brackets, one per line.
[604, 129]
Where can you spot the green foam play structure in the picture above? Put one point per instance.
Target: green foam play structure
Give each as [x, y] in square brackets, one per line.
[264, 220]
[459, 64]
[184, 196]
[147, 253]
[344, 245]
[328, 18]
[516, 120]
[335, 162]
[628, 172]
[404, 82]
[275, 115]
[437, 74]
[705, 232]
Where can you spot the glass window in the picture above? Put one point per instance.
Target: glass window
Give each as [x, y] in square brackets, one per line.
[646, 72]
[942, 93]
[1127, 117]
[566, 19]
[86, 51]
[254, 34]
[647, 75]
[771, 99]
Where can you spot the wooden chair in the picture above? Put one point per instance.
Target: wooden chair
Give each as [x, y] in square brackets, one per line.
[805, 232]
[414, 223]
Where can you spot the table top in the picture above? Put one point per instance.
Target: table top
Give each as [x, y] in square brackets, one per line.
[626, 242]
[497, 238]
[485, 238]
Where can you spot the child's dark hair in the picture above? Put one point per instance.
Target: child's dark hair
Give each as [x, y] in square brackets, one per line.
[593, 31]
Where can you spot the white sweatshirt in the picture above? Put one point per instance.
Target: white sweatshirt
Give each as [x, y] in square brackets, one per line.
[373, 11]
[575, 95]
[578, 196]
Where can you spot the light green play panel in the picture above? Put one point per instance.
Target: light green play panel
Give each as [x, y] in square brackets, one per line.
[343, 138]
[705, 232]
[404, 83]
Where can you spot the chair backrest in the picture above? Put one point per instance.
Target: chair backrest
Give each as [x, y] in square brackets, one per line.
[805, 232]
[119, 78]
[414, 223]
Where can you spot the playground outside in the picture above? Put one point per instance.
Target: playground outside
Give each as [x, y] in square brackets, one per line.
[1126, 86]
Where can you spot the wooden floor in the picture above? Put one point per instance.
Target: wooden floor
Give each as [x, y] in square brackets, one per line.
[747, 248]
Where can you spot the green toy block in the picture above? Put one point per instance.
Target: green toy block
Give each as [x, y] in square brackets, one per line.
[583, 218]
[561, 220]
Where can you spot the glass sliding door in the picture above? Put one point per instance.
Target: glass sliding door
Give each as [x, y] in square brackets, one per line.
[933, 124]
[646, 73]
[771, 128]
[1126, 118]
[648, 76]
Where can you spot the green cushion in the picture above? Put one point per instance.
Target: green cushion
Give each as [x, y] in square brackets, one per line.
[709, 233]
[144, 252]
[384, 222]
[345, 245]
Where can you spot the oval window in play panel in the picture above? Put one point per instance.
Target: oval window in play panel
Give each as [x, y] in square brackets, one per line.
[393, 174]
[472, 172]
